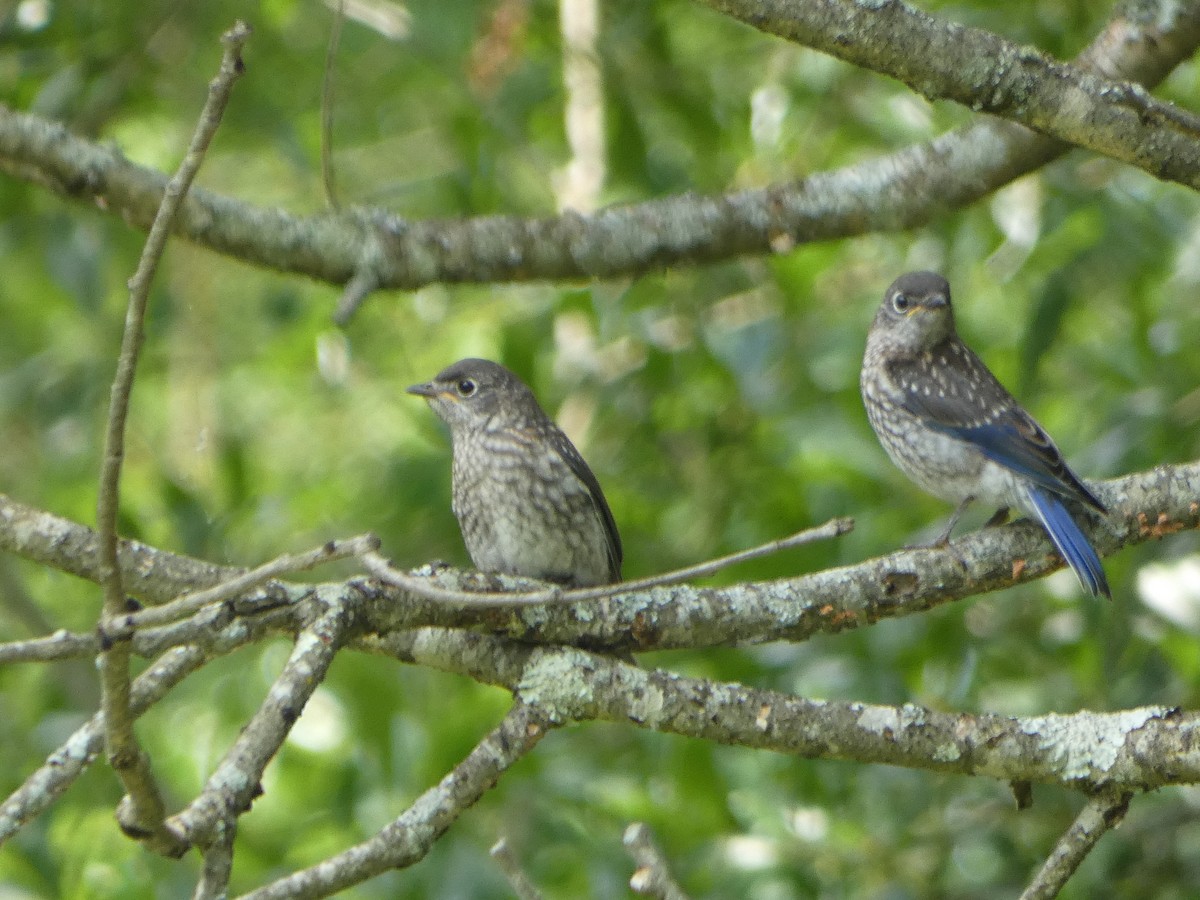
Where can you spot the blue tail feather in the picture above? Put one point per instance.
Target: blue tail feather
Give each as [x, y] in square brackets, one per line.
[1069, 540]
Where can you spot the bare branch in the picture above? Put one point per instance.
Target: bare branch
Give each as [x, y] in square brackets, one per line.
[65, 645]
[1085, 750]
[69, 761]
[327, 174]
[142, 809]
[235, 782]
[521, 884]
[1144, 506]
[653, 876]
[151, 575]
[240, 584]
[1020, 83]
[60, 645]
[265, 613]
[1099, 814]
[218, 864]
[422, 586]
[358, 288]
[410, 837]
[905, 189]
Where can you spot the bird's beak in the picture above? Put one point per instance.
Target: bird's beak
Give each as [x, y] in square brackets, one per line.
[430, 391]
[425, 389]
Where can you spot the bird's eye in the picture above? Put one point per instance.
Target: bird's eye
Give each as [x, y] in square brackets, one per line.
[466, 387]
[900, 302]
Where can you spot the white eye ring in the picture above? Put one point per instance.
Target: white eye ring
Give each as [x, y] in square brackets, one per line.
[466, 387]
[900, 302]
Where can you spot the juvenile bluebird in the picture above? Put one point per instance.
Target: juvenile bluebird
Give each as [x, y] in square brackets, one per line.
[526, 502]
[946, 421]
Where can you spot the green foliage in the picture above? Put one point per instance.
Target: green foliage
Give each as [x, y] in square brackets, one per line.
[718, 405]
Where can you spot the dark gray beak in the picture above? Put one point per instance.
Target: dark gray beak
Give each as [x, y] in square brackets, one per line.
[426, 389]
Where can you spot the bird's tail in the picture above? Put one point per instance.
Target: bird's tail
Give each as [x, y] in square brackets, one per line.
[1070, 541]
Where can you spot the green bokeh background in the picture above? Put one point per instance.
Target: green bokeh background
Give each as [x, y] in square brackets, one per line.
[718, 406]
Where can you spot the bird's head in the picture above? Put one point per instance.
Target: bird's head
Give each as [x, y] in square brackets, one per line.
[474, 394]
[915, 314]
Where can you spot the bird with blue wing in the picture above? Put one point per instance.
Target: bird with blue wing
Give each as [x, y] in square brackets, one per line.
[949, 425]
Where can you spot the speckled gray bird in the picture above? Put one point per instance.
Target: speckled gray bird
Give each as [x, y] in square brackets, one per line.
[526, 502]
[946, 421]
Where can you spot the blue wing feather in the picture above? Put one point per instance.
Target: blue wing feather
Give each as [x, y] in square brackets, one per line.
[1071, 543]
[1006, 443]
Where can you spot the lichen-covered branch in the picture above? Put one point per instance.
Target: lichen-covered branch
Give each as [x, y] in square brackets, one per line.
[981, 70]
[1119, 750]
[235, 782]
[412, 835]
[1144, 506]
[152, 575]
[1143, 42]
[1099, 815]
[69, 761]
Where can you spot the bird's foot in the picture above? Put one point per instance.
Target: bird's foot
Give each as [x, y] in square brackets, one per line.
[999, 517]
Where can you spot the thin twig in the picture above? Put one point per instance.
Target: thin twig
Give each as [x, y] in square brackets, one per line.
[218, 863]
[141, 812]
[234, 783]
[288, 562]
[60, 645]
[407, 839]
[1100, 814]
[653, 876]
[327, 174]
[521, 883]
[378, 566]
[148, 642]
[358, 288]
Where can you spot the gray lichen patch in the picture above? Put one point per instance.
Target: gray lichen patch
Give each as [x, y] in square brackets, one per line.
[1089, 746]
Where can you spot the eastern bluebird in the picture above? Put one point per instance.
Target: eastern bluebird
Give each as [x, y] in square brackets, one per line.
[946, 421]
[526, 502]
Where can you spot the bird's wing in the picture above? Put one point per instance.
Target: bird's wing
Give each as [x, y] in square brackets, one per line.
[957, 395]
[575, 462]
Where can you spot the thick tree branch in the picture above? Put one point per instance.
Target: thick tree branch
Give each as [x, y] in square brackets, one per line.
[1145, 506]
[1125, 750]
[152, 575]
[1143, 42]
[946, 60]
[422, 587]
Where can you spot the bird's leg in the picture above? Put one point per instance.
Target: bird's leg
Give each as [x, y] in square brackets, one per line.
[999, 517]
[944, 537]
